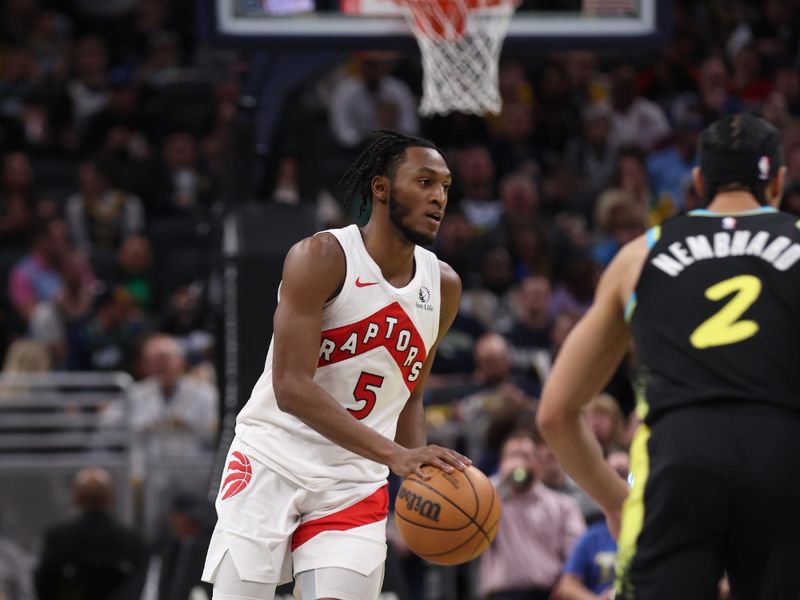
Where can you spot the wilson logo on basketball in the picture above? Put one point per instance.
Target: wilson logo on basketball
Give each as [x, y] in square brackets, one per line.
[426, 508]
[239, 474]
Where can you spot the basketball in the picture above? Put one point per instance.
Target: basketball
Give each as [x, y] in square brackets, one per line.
[449, 519]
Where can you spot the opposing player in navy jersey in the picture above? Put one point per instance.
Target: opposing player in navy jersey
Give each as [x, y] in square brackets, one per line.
[711, 300]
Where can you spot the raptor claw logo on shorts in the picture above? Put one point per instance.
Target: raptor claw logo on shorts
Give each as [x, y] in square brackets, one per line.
[239, 474]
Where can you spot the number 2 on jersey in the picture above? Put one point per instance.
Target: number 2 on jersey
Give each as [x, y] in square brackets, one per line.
[366, 386]
[723, 327]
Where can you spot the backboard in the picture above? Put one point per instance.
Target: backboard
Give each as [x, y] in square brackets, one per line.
[378, 24]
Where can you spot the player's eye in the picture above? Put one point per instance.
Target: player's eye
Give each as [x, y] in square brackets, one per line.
[425, 182]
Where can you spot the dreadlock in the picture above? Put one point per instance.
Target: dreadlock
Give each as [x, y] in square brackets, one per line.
[381, 157]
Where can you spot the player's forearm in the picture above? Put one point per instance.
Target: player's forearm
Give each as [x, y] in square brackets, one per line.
[411, 430]
[316, 408]
[578, 451]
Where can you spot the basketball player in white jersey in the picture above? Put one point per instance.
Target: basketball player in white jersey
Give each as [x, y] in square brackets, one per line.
[359, 315]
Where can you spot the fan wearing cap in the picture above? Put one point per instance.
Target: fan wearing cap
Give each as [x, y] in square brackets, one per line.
[711, 301]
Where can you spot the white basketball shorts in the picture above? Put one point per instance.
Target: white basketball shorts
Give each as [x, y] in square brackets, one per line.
[272, 528]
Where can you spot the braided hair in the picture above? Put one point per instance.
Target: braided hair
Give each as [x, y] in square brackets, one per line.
[380, 157]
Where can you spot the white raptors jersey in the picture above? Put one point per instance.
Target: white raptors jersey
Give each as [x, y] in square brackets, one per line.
[374, 341]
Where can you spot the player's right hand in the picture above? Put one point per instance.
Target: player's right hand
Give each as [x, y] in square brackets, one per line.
[410, 460]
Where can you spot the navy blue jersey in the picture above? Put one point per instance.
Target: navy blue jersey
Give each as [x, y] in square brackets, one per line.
[716, 312]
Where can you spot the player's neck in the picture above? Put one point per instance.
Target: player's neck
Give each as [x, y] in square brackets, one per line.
[391, 251]
[734, 201]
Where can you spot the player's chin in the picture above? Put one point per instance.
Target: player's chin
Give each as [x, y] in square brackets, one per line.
[426, 237]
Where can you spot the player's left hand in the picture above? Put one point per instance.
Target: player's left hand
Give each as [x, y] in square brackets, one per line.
[410, 460]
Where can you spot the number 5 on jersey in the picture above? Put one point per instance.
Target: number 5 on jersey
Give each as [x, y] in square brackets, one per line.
[366, 386]
[723, 327]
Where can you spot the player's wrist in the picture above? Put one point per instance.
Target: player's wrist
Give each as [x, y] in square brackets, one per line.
[389, 453]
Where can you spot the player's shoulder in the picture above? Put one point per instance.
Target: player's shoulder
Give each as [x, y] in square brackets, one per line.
[631, 256]
[316, 260]
[451, 282]
[322, 250]
[620, 278]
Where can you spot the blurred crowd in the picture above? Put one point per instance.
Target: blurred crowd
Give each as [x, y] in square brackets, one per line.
[114, 122]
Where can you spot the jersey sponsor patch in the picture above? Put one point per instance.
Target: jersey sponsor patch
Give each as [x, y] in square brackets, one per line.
[239, 474]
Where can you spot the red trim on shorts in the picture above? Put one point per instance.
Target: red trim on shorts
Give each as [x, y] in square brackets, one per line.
[371, 509]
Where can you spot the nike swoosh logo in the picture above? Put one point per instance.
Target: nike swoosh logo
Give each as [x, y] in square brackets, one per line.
[360, 283]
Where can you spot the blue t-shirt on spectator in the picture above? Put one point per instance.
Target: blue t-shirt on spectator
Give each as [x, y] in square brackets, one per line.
[593, 558]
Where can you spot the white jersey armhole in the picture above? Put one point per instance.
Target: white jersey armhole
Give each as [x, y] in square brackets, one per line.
[335, 303]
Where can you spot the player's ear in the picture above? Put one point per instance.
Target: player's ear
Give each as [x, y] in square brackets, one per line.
[698, 182]
[380, 188]
[775, 187]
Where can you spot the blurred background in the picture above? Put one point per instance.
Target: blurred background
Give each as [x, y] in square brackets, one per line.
[153, 173]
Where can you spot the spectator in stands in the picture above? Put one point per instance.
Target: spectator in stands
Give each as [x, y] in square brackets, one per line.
[134, 271]
[17, 79]
[37, 276]
[101, 214]
[519, 196]
[593, 156]
[23, 356]
[490, 302]
[748, 81]
[16, 582]
[637, 120]
[493, 386]
[605, 419]
[185, 317]
[513, 147]
[574, 291]
[162, 65]
[557, 114]
[106, 341]
[589, 572]
[87, 93]
[182, 185]
[619, 218]
[94, 555]
[49, 44]
[712, 99]
[670, 169]
[55, 320]
[475, 174]
[371, 99]
[177, 565]
[459, 246]
[532, 249]
[167, 406]
[17, 200]
[537, 530]
[529, 333]
[631, 177]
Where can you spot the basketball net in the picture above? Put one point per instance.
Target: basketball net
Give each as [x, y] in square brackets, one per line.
[460, 43]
